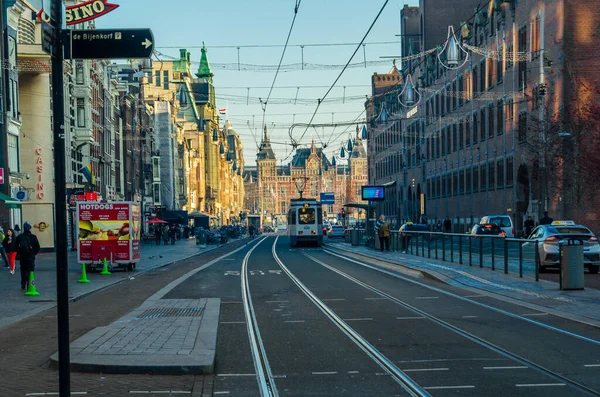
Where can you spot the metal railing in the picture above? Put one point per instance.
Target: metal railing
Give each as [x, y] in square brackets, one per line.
[510, 255]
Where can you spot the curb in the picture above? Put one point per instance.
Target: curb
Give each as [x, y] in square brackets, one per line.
[430, 275]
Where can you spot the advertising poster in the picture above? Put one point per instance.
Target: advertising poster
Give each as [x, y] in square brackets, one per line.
[105, 231]
[136, 231]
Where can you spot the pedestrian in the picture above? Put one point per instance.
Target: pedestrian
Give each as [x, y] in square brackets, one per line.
[157, 234]
[546, 220]
[529, 224]
[165, 235]
[447, 225]
[173, 234]
[383, 232]
[27, 246]
[9, 244]
[2, 250]
[17, 230]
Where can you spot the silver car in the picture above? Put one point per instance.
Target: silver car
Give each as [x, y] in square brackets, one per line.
[336, 232]
[550, 237]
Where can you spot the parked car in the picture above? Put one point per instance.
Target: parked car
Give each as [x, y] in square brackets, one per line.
[487, 229]
[336, 231]
[505, 222]
[551, 237]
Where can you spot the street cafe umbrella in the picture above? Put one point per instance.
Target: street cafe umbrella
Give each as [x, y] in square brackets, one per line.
[156, 220]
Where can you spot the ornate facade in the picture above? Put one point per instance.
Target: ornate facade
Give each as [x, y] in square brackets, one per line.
[269, 187]
[204, 161]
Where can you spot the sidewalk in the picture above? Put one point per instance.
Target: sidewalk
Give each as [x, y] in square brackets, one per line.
[582, 306]
[15, 306]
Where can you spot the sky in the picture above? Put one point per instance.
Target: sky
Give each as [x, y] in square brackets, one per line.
[251, 24]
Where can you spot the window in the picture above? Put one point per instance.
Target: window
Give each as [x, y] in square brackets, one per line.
[482, 124]
[306, 216]
[13, 152]
[455, 183]
[461, 90]
[475, 127]
[468, 182]
[482, 76]
[475, 179]
[79, 77]
[509, 172]
[500, 65]
[474, 88]
[461, 134]
[522, 70]
[483, 177]
[500, 173]
[166, 79]
[491, 121]
[149, 77]
[492, 175]
[157, 78]
[500, 117]
[156, 193]
[461, 182]
[454, 137]
[536, 38]
[522, 133]
[156, 168]
[467, 132]
[81, 112]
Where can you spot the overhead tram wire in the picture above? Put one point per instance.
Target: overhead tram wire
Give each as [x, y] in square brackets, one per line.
[287, 40]
[342, 72]
[279, 45]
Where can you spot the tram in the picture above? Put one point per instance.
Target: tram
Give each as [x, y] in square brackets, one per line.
[305, 222]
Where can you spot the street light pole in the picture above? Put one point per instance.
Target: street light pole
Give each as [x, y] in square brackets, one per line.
[60, 199]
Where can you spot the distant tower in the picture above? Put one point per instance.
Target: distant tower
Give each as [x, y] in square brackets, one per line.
[265, 158]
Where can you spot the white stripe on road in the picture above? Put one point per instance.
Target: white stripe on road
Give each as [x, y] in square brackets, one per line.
[220, 392]
[276, 301]
[539, 384]
[325, 373]
[294, 321]
[236, 374]
[425, 369]
[533, 314]
[367, 299]
[333, 299]
[427, 297]
[232, 302]
[233, 322]
[474, 296]
[353, 372]
[591, 365]
[448, 387]
[358, 319]
[469, 316]
[512, 367]
[410, 318]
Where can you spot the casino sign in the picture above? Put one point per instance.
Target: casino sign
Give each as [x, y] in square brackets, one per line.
[83, 12]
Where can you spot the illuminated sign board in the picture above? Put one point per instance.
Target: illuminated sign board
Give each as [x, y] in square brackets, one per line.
[83, 12]
[373, 193]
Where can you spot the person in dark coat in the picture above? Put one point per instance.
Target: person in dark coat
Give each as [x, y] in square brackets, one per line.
[9, 244]
[529, 225]
[546, 220]
[27, 246]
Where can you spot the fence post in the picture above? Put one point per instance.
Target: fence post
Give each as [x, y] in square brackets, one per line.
[520, 259]
[429, 247]
[436, 249]
[470, 251]
[493, 256]
[460, 249]
[481, 252]
[505, 256]
[444, 248]
[451, 249]
[537, 262]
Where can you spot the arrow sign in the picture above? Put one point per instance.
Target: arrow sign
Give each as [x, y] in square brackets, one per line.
[109, 44]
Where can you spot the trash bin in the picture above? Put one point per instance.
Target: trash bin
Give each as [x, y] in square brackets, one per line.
[571, 265]
[354, 237]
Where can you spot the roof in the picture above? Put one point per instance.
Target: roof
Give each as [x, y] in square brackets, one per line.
[301, 155]
[204, 71]
[265, 151]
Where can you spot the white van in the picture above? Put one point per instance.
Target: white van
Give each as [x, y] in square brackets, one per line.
[505, 223]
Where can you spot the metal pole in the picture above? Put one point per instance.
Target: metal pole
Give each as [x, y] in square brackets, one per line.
[60, 199]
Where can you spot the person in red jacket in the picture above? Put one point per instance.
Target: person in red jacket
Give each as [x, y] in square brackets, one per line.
[9, 244]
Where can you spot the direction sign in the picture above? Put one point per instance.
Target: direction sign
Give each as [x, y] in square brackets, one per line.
[109, 44]
[327, 198]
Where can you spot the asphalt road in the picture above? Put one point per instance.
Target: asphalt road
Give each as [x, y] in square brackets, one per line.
[446, 345]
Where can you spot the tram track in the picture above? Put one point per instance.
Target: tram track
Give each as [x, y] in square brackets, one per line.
[457, 330]
[264, 374]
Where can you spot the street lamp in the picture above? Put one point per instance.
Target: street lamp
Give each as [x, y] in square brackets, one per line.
[452, 49]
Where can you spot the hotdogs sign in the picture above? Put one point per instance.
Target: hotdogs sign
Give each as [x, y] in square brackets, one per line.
[82, 12]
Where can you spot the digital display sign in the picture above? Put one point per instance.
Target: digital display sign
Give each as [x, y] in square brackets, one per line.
[373, 193]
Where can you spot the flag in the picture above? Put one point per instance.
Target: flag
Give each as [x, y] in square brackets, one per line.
[223, 111]
[88, 172]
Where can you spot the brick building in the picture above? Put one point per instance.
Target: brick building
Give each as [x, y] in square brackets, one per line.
[510, 129]
[269, 187]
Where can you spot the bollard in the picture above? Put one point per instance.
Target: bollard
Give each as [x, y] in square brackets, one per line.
[105, 271]
[83, 279]
[505, 256]
[31, 290]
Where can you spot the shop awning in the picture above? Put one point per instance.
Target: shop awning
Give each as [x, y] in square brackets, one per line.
[9, 202]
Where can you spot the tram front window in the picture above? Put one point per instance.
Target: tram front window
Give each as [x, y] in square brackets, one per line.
[307, 216]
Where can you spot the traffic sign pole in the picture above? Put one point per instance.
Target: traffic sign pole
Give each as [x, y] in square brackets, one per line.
[60, 199]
